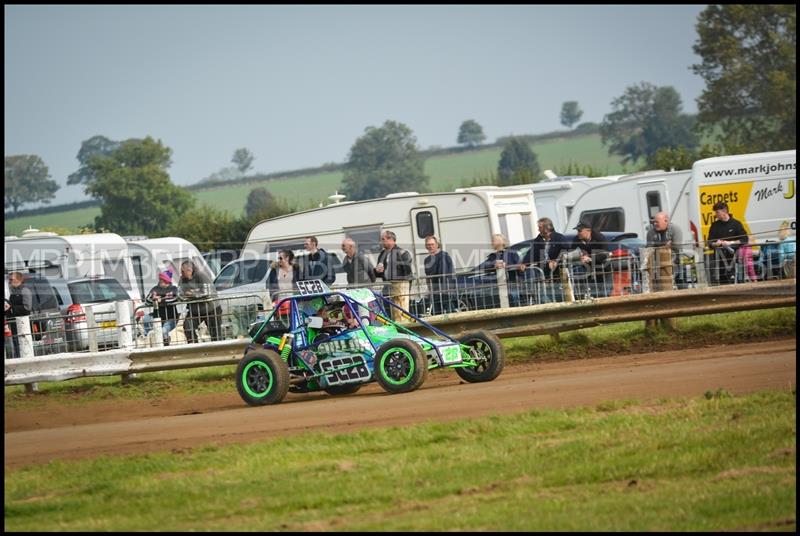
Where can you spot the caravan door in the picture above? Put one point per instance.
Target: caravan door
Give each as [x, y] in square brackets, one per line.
[652, 200]
[424, 222]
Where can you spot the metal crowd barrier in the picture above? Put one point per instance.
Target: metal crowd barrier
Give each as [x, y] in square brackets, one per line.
[623, 272]
[96, 328]
[228, 317]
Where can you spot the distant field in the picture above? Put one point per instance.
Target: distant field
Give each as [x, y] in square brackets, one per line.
[446, 173]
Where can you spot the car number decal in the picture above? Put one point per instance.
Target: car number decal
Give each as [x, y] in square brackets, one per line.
[356, 370]
[310, 287]
[451, 354]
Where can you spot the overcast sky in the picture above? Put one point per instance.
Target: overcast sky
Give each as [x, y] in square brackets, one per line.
[297, 85]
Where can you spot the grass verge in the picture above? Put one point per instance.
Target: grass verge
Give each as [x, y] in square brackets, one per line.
[717, 462]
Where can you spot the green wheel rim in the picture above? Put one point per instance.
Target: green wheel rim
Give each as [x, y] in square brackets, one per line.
[257, 379]
[397, 366]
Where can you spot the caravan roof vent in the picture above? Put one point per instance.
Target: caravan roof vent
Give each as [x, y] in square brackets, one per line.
[30, 232]
[401, 194]
[336, 198]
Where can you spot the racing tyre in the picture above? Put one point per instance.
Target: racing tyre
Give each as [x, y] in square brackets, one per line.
[400, 366]
[262, 378]
[336, 390]
[485, 348]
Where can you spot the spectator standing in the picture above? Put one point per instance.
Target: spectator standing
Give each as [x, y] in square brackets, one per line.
[394, 267]
[19, 303]
[502, 257]
[725, 236]
[439, 269]
[317, 264]
[544, 252]
[356, 265]
[284, 274]
[593, 252]
[163, 297]
[197, 289]
[665, 233]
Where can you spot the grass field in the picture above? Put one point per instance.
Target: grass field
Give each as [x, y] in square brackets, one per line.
[446, 173]
[709, 463]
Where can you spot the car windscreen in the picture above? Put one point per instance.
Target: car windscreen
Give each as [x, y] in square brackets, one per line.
[97, 291]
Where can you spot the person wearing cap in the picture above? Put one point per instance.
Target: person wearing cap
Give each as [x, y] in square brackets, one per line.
[725, 236]
[162, 297]
[593, 251]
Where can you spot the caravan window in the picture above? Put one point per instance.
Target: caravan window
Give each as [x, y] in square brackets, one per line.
[607, 219]
[293, 245]
[425, 224]
[653, 203]
[367, 239]
[527, 224]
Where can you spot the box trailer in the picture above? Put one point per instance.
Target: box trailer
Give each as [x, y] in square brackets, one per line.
[759, 189]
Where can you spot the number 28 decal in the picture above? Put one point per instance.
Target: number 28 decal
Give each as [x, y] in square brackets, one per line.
[310, 287]
[356, 370]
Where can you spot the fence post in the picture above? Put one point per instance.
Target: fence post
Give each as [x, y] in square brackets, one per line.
[700, 266]
[124, 324]
[664, 280]
[24, 337]
[25, 342]
[125, 327]
[158, 330]
[91, 328]
[566, 283]
[502, 287]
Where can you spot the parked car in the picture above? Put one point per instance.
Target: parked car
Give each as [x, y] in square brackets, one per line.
[219, 259]
[47, 323]
[476, 288]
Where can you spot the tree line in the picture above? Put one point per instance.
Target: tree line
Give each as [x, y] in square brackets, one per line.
[747, 62]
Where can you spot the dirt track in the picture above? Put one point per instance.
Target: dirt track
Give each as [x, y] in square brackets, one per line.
[58, 432]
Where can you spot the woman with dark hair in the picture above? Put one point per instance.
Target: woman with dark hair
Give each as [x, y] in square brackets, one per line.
[285, 273]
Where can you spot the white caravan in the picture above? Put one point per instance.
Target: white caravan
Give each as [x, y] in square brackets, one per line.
[758, 188]
[556, 196]
[464, 221]
[630, 203]
[153, 255]
[72, 256]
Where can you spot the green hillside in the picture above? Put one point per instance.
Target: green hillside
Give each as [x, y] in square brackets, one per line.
[446, 172]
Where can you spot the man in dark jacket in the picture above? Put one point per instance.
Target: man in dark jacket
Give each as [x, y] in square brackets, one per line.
[725, 236]
[317, 264]
[19, 303]
[439, 270]
[356, 265]
[544, 254]
[196, 287]
[394, 267]
[593, 252]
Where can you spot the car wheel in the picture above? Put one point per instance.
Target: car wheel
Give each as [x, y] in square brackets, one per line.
[400, 366]
[484, 348]
[336, 390]
[262, 378]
